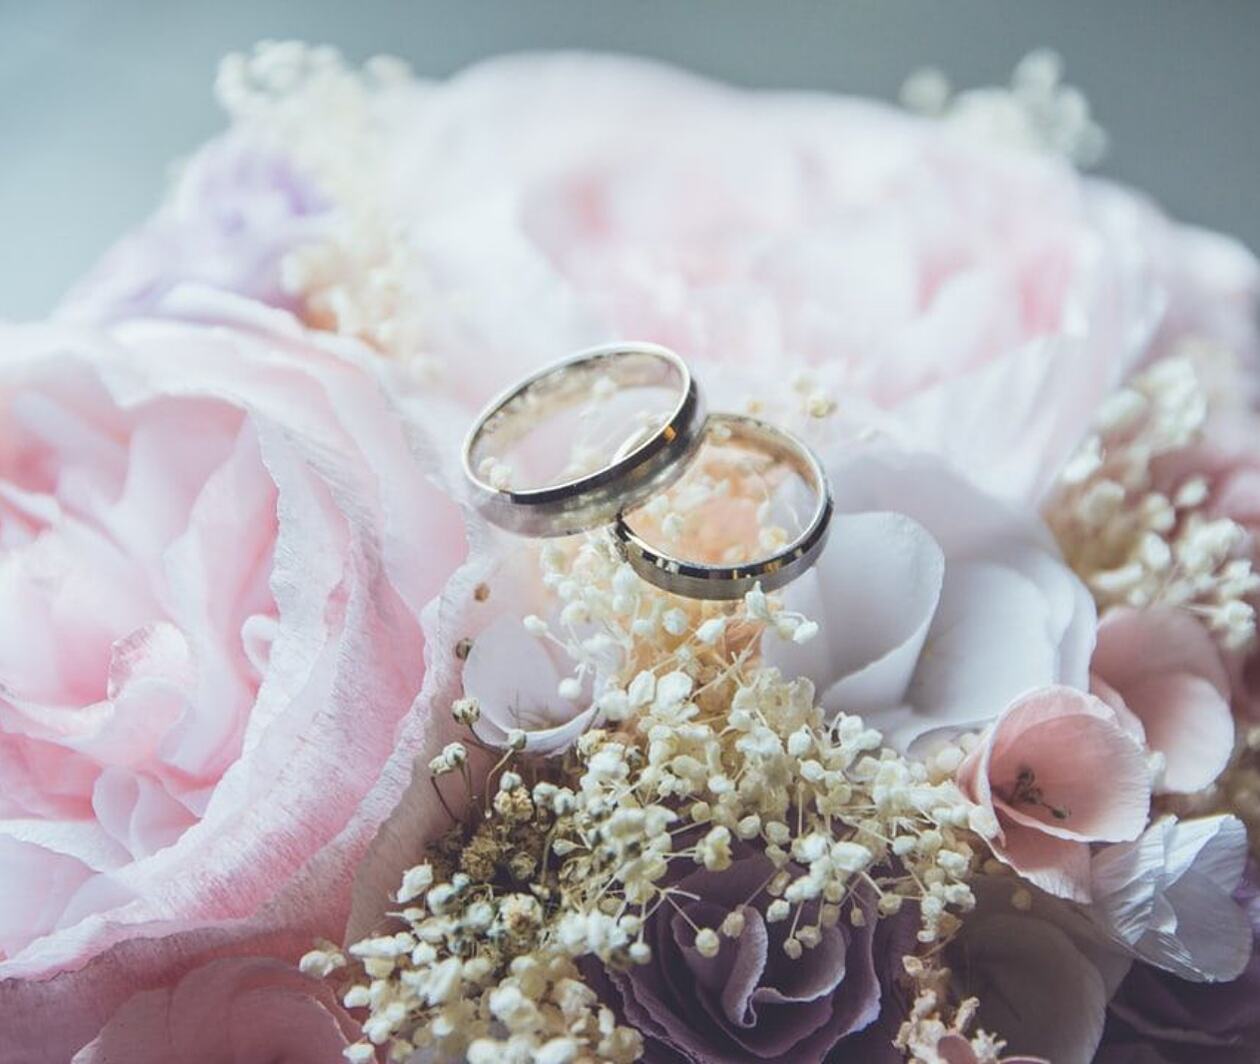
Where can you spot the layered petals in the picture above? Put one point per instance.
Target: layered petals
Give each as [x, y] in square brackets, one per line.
[214, 648]
[247, 1010]
[1167, 896]
[1165, 669]
[964, 603]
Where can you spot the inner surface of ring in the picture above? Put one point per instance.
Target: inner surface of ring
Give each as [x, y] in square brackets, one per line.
[578, 418]
[750, 494]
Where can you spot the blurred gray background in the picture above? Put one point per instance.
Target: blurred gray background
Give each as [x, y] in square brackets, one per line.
[97, 96]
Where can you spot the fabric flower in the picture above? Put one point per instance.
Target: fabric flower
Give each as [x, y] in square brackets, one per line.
[216, 545]
[247, 1010]
[964, 603]
[1188, 1023]
[1042, 975]
[1166, 896]
[1059, 771]
[236, 209]
[1161, 666]
[749, 1001]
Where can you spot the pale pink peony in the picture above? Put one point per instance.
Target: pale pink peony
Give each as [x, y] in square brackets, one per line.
[1161, 671]
[987, 299]
[247, 1010]
[1060, 771]
[216, 544]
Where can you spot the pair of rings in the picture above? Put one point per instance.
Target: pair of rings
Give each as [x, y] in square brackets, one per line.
[646, 465]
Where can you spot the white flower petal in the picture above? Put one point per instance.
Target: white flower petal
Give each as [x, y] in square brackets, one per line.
[874, 592]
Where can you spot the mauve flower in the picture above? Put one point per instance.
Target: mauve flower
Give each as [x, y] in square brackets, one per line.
[237, 208]
[964, 601]
[750, 1002]
[1191, 1023]
[247, 1010]
[1161, 666]
[1041, 972]
[216, 545]
[1059, 771]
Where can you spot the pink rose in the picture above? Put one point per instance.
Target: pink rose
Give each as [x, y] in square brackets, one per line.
[246, 1010]
[1161, 671]
[216, 544]
[1059, 771]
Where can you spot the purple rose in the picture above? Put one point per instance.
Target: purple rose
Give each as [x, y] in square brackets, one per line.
[234, 213]
[1173, 1020]
[751, 1002]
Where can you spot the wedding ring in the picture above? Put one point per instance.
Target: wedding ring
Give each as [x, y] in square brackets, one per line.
[648, 462]
[699, 580]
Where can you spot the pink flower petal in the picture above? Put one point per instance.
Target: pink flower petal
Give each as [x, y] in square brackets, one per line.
[1164, 668]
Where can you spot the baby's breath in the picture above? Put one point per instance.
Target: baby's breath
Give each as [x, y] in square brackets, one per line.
[1139, 544]
[700, 753]
[362, 278]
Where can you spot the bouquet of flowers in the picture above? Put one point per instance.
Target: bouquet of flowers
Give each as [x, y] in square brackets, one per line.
[301, 759]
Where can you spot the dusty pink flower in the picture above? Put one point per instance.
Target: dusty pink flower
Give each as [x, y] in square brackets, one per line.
[248, 1010]
[1160, 670]
[216, 543]
[1059, 770]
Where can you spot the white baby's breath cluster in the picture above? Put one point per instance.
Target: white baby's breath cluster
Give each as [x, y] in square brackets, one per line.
[699, 755]
[362, 278]
[1137, 542]
[1036, 112]
[931, 1019]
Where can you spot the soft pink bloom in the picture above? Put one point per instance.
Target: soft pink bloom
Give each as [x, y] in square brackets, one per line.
[247, 1010]
[988, 299]
[216, 545]
[1060, 771]
[1160, 670]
